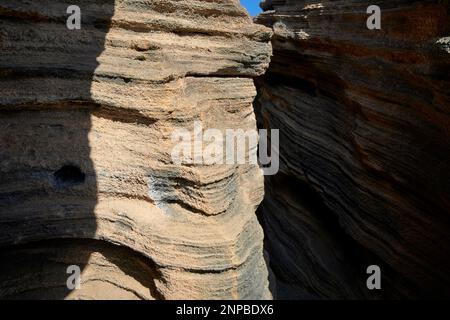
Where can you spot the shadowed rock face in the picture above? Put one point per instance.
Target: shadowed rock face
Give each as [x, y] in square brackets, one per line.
[365, 151]
[86, 175]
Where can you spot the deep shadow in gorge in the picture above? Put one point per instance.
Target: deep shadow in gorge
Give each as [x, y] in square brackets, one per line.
[48, 182]
[363, 119]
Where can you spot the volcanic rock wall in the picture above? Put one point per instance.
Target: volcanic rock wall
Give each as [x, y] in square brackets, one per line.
[364, 119]
[86, 175]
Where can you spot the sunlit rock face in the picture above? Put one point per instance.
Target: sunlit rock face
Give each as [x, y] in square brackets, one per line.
[364, 119]
[86, 174]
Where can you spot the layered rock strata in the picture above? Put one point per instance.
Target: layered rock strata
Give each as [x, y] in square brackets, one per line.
[86, 174]
[365, 155]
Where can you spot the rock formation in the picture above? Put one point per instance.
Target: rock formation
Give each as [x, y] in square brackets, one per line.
[364, 119]
[86, 175]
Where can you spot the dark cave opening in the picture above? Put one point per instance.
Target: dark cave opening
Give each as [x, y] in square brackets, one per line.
[69, 175]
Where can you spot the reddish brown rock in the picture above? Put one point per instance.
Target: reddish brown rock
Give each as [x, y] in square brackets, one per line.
[365, 151]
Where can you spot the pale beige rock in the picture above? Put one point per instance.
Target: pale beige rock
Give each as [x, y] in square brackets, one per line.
[86, 118]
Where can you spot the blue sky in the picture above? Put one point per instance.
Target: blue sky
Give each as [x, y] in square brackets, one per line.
[252, 6]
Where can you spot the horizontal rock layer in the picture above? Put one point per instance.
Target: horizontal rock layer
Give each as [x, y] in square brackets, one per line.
[86, 174]
[365, 153]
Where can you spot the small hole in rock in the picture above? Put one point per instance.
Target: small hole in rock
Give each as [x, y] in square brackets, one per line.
[69, 174]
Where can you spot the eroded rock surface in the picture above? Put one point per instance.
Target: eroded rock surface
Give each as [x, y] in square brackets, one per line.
[365, 149]
[86, 175]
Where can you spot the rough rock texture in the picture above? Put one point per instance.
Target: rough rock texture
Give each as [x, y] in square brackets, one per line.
[86, 175]
[365, 151]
